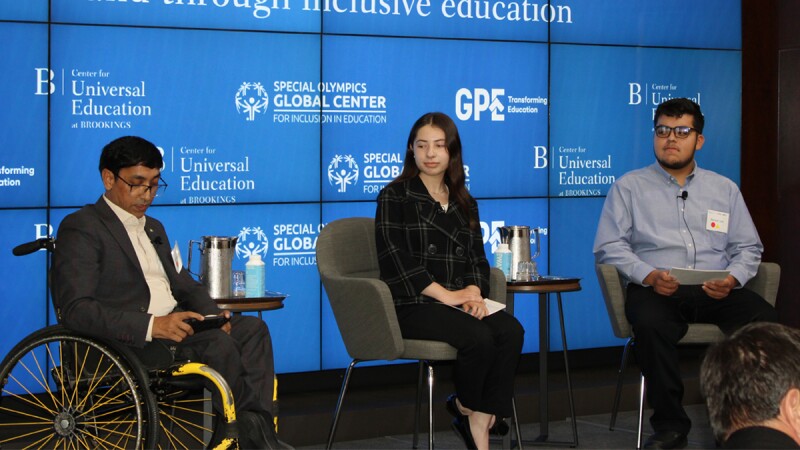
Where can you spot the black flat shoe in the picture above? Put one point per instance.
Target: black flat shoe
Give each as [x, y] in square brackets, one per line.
[461, 427]
[500, 427]
[452, 407]
[666, 439]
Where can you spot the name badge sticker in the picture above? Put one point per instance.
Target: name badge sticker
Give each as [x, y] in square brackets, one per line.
[717, 221]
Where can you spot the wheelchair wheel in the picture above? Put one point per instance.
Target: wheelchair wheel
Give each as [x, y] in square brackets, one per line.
[186, 418]
[64, 390]
[186, 415]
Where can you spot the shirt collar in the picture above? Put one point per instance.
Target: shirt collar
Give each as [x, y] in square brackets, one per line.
[660, 170]
[127, 219]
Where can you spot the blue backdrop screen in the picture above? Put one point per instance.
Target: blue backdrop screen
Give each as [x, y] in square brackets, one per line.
[276, 117]
[23, 164]
[612, 131]
[496, 91]
[34, 10]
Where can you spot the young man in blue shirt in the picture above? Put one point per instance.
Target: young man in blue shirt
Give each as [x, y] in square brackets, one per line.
[675, 214]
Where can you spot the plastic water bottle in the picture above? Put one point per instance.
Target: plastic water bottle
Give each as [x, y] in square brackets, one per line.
[254, 276]
[502, 259]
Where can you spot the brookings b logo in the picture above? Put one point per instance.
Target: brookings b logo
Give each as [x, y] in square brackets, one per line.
[252, 240]
[342, 171]
[251, 99]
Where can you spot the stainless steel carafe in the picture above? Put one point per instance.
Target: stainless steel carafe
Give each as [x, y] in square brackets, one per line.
[216, 261]
[519, 242]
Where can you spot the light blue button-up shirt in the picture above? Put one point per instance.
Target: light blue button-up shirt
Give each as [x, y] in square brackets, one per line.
[646, 225]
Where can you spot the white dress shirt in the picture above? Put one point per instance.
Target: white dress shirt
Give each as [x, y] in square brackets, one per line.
[161, 300]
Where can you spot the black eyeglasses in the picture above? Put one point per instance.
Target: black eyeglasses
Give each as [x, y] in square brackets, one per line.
[664, 131]
[142, 189]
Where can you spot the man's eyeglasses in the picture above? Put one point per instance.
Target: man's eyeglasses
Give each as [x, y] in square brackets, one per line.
[664, 131]
[142, 189]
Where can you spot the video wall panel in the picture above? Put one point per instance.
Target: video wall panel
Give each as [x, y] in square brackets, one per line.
[23, 161]
[497, 91]
[216, 128]
[24, 278]
[500, 20]
[284, 235]
[572, 225]
[30, 10]
[263, 15]
[276, 117]
[713, 24]
[612, 133]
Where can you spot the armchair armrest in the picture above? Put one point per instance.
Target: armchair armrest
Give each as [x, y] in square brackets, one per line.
[766, 282]
[366, 317]
[497, 285]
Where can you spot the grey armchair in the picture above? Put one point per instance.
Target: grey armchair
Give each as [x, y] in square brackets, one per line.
[765, 283]
[365, 313]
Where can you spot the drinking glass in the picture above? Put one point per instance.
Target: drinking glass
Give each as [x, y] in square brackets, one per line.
[238, 283]
[527, 271]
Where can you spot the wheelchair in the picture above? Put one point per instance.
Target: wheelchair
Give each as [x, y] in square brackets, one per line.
[66, 389]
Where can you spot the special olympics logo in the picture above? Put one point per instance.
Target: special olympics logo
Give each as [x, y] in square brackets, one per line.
[252, 240]
[471, 103]
[342, 171]
[251, 98]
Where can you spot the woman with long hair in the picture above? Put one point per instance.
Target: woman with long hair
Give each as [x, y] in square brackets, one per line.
[430, 253]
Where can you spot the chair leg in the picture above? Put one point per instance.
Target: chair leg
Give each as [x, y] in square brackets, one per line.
[618, 392]
[516, 422]
[430, 405]
[417, 404]
[339, 402]
[566, 369]
[642, 388]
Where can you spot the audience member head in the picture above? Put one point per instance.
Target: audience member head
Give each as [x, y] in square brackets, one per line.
[752, 378]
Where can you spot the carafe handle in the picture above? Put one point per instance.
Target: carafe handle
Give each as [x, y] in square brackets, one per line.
[538, 244]
[189, 264]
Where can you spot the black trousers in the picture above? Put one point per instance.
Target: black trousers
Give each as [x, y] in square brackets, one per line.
[659, 322]
[488, 351]
[243, 358]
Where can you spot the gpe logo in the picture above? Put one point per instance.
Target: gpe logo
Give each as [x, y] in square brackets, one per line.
[473, 103]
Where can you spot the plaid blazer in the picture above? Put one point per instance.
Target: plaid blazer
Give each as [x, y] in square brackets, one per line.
[418, 243]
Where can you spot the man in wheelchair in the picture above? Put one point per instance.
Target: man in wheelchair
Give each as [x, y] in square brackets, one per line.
[113, 273]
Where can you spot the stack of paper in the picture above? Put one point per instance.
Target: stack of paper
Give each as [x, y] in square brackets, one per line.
[694, 276]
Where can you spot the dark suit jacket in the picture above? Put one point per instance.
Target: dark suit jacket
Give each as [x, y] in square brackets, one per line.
[98, 283]
[759, 437]
[419, 243]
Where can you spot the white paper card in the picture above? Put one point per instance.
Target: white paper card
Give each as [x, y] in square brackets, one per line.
[491, 305]
[693, 276]
[176, 256]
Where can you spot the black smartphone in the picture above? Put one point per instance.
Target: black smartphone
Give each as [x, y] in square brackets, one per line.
[208, 323]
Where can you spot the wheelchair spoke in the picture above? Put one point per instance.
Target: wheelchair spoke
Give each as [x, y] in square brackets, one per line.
[103, 442]
[189, 428]
[172, 440]
[41, 382]
[26, 436]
